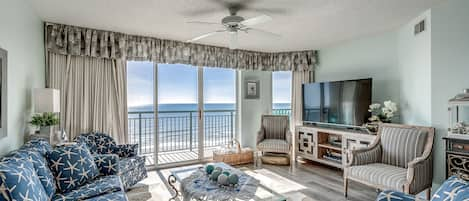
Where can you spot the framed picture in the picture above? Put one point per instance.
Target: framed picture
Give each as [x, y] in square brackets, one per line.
[3, 92]
[252, 90]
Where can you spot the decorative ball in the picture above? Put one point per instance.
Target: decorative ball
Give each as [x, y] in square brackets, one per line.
[219, 169]
[233, 179]
[226, 173]
[222, 179]
[215, 175]
[209, 169]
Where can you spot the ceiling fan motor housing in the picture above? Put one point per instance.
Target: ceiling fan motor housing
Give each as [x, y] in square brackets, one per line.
[232, 20]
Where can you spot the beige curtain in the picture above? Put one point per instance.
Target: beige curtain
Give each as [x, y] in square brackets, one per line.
[298, 79]
[93, 94]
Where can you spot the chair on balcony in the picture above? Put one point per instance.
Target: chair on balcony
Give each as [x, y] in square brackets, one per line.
[399, 159]
[274, 135]
[131, 167]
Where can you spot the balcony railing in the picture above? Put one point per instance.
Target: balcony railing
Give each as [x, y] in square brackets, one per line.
[178, 130]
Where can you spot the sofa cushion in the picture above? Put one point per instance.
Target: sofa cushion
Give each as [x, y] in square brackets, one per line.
[451, 189]
[19, 181]
[40, 165]
[40, 145]
[72, 166]
[402, 145]
[97, 187]
[98, 143]
[116, 196]
[126, 150]
[108, 164]
[274, 145]
[394, 196]
[388, 176]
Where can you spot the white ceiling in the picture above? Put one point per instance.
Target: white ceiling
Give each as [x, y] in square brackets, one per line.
[303, 24]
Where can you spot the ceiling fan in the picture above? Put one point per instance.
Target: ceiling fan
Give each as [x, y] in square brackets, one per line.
[233, 24]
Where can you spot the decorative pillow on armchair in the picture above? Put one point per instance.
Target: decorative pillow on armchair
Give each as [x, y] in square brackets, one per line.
[72, 166]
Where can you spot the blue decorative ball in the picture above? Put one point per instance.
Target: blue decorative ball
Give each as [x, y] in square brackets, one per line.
[209, 169]
[233, 179]
[215, 175]
[219, 169]
[226, 173]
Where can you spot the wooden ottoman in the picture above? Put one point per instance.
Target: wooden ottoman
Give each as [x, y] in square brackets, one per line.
[275, 159]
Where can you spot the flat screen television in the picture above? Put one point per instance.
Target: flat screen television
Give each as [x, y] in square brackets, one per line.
[338, 103]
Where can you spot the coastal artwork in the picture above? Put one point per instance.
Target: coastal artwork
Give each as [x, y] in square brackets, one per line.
[3, 87]
[252, 89]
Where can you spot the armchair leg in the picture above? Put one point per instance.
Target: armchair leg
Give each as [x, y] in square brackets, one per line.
[345, 186]
[428, 193]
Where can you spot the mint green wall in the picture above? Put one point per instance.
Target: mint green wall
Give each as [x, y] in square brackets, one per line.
[21, 34]
[450, 68]
[373, 56]
[251, 110]
[414, 61]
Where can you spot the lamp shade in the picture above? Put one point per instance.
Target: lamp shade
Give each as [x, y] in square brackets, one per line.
[46, 100]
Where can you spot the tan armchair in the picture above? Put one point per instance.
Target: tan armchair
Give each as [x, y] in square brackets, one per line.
[399, 159]
[274, 135]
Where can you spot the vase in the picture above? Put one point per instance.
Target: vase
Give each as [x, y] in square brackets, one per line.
[47, 130]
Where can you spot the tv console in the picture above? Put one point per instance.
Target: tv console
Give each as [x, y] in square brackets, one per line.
[328, 145]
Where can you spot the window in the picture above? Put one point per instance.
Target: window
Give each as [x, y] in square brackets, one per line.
[281, 92]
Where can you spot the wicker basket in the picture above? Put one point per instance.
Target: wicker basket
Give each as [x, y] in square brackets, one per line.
[240, 156]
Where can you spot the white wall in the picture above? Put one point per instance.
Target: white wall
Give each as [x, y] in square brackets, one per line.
[251, 110]
[21, 34]
[414, 61]
[450, 68]
[373, 56]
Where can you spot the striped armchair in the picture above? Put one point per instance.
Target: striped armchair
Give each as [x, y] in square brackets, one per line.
[399, 159]
[275, 135]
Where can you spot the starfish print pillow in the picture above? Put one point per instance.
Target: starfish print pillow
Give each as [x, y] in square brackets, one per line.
[19, 181]
[72, 166]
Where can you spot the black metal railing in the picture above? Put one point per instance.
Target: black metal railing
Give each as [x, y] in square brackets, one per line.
[178, 130]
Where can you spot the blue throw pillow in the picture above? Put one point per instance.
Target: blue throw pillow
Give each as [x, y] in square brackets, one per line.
[40, 145]
[40, 165]
[72, 166]
[19, 181]
[452, 187]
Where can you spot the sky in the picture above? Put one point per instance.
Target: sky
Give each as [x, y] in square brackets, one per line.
[177, 83]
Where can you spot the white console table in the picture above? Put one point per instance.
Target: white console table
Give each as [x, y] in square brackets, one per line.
[329, 146]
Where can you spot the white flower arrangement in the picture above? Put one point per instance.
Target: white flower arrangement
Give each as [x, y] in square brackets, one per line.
[382, 114]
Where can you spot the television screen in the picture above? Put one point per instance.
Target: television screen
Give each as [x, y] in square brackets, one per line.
[339, 102]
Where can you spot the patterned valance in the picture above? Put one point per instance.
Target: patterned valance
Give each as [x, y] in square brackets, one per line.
[72, 40]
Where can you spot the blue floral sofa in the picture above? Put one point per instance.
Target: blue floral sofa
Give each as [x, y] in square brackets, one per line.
[454, 188]
[131, 166]
[26, 174]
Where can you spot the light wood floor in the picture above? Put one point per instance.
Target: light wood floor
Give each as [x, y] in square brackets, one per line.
[303, 182]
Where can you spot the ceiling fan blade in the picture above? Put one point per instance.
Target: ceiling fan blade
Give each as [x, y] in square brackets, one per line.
[269, 10]
[233, 40]
[205, 36]
[256, 20]
[204, 23]
[266, 33]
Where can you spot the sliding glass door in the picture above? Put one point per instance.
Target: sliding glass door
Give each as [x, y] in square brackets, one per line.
[195, 111]
[219, 86]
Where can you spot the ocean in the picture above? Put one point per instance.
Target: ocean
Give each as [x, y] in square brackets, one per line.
[178, 125]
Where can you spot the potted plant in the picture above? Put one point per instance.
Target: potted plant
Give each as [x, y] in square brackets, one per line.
[384, 114]
[45, 122]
